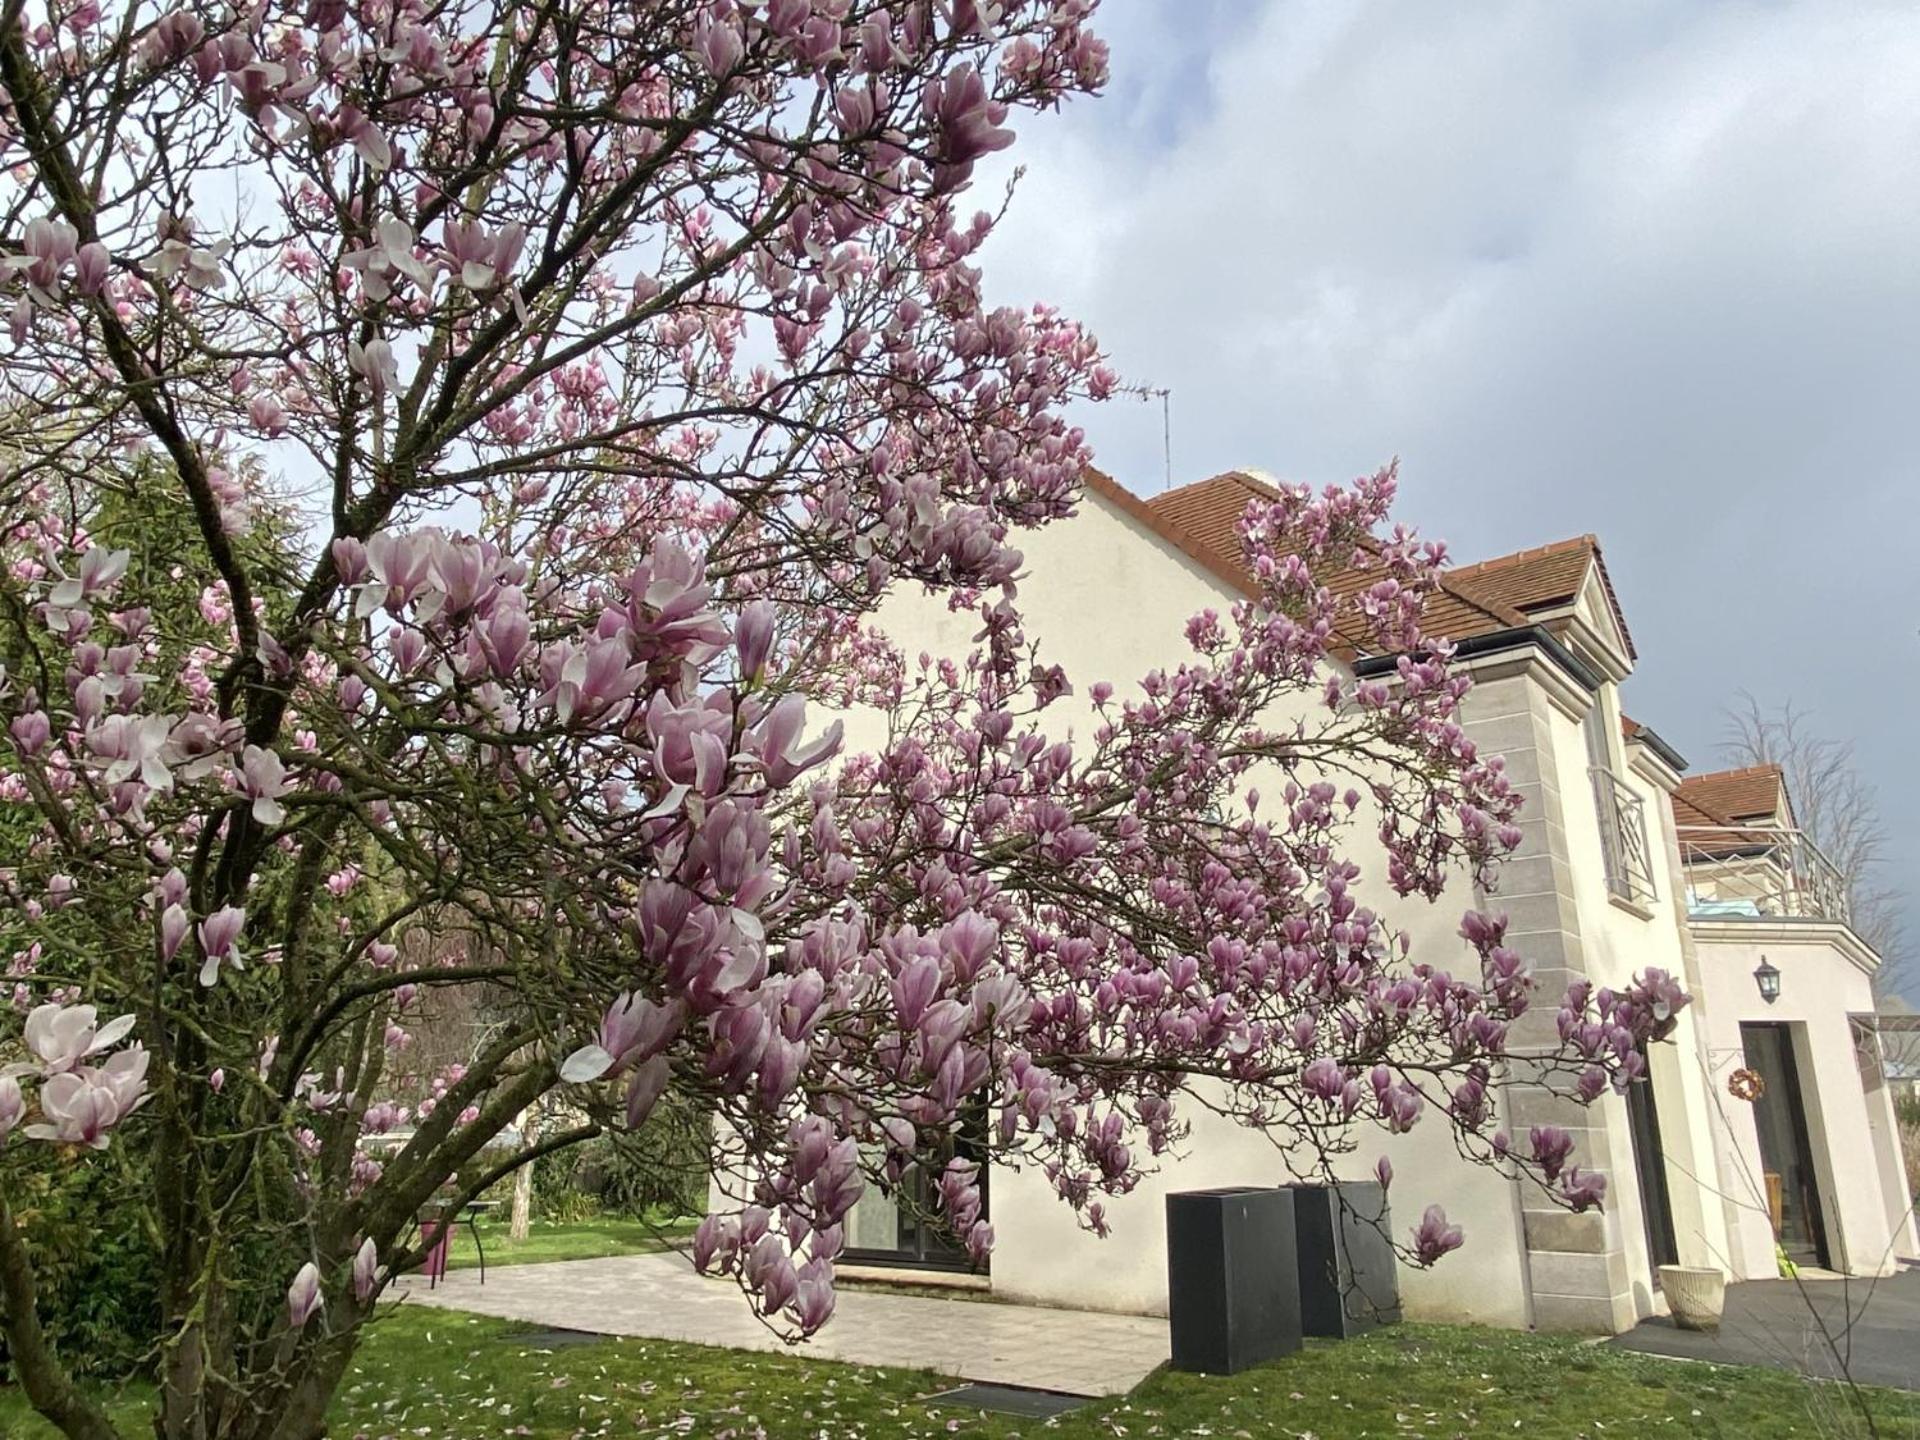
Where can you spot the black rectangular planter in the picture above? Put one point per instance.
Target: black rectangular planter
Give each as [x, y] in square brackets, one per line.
[1233, 1293]
[1349, 1280]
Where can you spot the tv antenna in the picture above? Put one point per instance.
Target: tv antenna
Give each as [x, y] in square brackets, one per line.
[1165, 397]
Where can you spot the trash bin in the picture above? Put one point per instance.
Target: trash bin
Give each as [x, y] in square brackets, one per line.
[1349, 1280]
[435, 1234]
[1233, 1291]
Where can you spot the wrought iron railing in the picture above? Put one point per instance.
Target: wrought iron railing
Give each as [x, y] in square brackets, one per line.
[1623, 837]
[1760, 871]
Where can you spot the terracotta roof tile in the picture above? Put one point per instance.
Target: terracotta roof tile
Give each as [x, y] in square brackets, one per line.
[1202, 519]
[1687, 811]
[1535, 579]
[1727, 797]
[1546, 577]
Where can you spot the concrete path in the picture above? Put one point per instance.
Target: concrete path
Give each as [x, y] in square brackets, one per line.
[660, 1297]
[1874, 1324]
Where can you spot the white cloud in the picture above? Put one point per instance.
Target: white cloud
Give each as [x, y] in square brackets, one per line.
[1651, 270]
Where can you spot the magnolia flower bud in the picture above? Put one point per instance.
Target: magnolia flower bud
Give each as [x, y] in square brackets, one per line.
[304, 1299]
[12, 1105]
[366, 1270]
[753, 638]
[91, 267]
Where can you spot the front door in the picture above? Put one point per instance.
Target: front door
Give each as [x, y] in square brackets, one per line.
[1786, 1156]
[1650, 1163]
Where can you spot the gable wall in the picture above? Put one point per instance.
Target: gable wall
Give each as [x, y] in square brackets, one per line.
[1109, 600]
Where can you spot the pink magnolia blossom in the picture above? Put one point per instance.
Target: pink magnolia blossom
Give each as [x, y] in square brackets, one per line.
[391, 256]
[133, 747]
[30, 731]
[719, 46]
[375, 363]
[777, 743]
[47, 246]
[98, 571]
[91, 268]
[704, 363]
[263, 780]
[62, 1036]
[1434, 1237]
[634, 1029]
[175, 924]
[220, 943]
[480, 258]
[81, 1106]
[753, 638]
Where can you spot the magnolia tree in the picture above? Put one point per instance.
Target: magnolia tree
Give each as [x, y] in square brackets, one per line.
[446, 449]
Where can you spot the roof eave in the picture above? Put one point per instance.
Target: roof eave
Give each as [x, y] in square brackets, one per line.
[1495, 642]
[1649, 737]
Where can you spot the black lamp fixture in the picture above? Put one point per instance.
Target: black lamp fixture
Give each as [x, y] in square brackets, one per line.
[1767, 977]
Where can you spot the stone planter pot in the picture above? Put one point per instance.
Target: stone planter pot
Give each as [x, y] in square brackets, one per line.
[1233, 1289]
[1349, 1275]
[1696, 1295]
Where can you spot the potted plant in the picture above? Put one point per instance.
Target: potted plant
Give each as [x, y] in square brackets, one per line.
[1696, 1294]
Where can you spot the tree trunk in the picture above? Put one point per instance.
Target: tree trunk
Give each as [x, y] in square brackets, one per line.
[49, 1389]
[522, 1221]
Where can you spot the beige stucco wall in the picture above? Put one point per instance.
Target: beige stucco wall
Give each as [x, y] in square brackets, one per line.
[1825, 977]
[1109, 600]
[1621, 940]
[1042, 1255]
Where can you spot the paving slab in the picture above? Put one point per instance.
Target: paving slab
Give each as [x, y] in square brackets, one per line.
[660, 1297]
[1826, 1328]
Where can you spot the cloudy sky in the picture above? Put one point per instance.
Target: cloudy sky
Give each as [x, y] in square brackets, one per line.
[1646, 270]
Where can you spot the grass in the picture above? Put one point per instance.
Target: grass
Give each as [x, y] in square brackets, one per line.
[439, 1375]
[560, 1240]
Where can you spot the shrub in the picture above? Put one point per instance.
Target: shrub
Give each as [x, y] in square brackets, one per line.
[1906, 1106]
[659, 1170]
[97, 1265]
[1907, 1109]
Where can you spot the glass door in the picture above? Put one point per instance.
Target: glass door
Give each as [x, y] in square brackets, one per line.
[1650, 1163]
[1786, 1156]
[902, 1225]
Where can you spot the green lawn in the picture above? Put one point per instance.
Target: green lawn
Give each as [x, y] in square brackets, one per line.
[435, 1375]
[574, 1240]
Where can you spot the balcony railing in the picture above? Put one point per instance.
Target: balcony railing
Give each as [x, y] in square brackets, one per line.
[1623, 838]
[1759, 872]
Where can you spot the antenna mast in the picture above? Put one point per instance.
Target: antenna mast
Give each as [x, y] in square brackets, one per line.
[1165, 397]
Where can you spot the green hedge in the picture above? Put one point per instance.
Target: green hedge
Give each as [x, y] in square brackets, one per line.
[97, 1262]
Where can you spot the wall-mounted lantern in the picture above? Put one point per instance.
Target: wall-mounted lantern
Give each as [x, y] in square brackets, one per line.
[1767, 977]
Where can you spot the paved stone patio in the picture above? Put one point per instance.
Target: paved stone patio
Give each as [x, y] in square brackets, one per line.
[1875, 1324]
[660, 1297]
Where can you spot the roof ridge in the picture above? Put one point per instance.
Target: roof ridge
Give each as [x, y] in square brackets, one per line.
[1154, 512]
[1499, 568]
[1243, 479]
[1762, 768]
[1588, 541]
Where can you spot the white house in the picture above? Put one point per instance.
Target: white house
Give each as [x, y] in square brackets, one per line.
[1788, 986]
[1603, 885]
